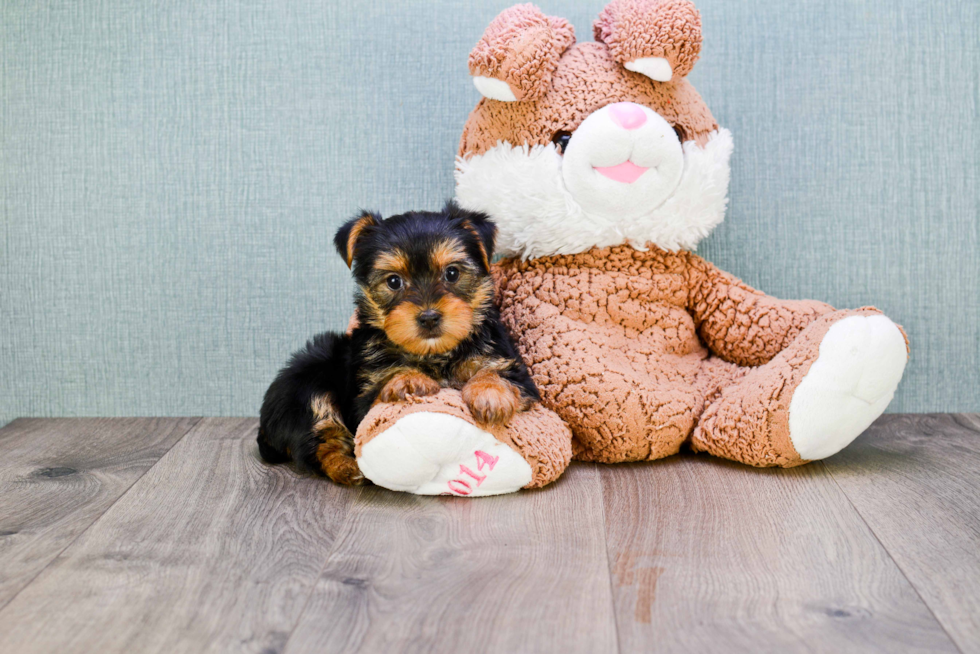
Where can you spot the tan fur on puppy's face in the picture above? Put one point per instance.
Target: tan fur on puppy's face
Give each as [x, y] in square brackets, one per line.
[402, 328]
[461, 302]
[394, 262]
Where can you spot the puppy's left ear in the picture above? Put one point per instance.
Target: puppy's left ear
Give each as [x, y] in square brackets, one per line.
[354, 229]
[479, 225]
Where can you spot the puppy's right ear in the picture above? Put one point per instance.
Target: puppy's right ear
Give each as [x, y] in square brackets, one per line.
[353, 230]
[479, 225]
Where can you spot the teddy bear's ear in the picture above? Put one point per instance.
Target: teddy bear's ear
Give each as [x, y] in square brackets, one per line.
[518, 53]
[658, 38]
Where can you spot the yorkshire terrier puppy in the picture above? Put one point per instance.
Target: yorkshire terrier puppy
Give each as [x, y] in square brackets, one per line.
[426, 320]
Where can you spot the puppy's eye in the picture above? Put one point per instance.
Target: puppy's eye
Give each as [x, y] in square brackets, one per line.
[394, 282]
[561, 139]
[452, 274]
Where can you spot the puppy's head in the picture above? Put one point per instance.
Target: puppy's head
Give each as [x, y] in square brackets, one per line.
[423, 277]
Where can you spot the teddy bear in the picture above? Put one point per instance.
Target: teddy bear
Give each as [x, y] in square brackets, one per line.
[603, 169]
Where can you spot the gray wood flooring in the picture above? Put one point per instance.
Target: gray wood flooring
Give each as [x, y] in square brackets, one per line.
[169, 535]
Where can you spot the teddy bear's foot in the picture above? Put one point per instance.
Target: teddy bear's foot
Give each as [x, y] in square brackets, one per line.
[861, 361]
[438, 454]
[813, 398]
[432, 446]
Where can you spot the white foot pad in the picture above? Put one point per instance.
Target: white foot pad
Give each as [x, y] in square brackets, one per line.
[438, 454]
[849, 385]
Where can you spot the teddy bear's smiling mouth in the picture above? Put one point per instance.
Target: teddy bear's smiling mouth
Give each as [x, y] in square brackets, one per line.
[626, 172]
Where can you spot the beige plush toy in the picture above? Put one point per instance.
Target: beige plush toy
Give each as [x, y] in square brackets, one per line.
[603, 168]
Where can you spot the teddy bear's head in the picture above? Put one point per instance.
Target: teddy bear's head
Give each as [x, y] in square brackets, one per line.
[575, 146]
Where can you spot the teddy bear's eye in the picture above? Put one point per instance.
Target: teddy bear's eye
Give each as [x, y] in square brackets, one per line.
[561, 139]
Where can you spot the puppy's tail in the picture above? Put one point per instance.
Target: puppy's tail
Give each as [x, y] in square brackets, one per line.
[268, 451]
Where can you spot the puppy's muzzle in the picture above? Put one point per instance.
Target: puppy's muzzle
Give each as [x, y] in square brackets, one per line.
[429, 322]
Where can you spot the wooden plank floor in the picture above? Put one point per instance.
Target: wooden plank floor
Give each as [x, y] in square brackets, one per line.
[58, 476]
[163, 535]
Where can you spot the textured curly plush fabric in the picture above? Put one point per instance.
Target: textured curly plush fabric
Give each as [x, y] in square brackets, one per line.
[670, 29]
[588, 78]
[538, 435]
[748, 420]
[639, 345]
[521, 47]
[642, 351]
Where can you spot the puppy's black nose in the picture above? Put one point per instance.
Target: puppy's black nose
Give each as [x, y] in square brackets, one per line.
[429, 319]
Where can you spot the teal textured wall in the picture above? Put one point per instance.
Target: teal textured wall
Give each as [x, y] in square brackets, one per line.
[172, 173]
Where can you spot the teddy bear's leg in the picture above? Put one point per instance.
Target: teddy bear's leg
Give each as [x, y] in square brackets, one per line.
[626, 417]
[813, 398]
[431, 446]
[620, 406]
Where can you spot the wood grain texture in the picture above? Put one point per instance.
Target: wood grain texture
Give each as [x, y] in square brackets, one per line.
[513, 573]
[915, 479]
[212, 550]
[58, 476]
[876, 549]
[711, 556]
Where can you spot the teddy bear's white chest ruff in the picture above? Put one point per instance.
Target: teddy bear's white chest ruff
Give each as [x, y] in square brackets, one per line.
[529, 196]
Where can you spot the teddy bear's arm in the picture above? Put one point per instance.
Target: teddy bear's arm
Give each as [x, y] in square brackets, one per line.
[740, 324]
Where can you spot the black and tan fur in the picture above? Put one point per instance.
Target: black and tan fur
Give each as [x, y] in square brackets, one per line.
[426, 320]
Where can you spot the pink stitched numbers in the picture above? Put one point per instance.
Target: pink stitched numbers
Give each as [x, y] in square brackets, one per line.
[459, 487]
[475, 475]
[484, 459]
[464, 487]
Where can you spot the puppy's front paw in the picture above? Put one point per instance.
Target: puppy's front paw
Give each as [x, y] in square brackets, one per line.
[404, 384]
[491, 400]
[343, 469]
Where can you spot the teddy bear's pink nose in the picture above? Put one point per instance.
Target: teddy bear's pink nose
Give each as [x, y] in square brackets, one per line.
[627, 115]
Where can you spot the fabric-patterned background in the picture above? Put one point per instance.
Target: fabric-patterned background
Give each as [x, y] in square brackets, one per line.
[172, 174]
